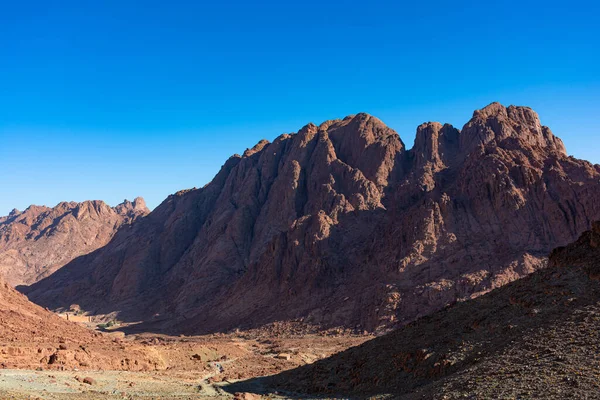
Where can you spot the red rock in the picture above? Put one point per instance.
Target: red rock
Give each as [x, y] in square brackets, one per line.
[340, 225]
[89, 381]
[480, 347]
[38, 241]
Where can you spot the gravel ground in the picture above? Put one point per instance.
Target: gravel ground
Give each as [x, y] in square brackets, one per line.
[26, 384]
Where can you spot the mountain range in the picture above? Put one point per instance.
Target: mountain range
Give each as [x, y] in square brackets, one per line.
[38, 241]
[340, 225]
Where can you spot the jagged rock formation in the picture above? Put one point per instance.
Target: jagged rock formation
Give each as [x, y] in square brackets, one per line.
[38, 241]
[535, 338]
[340, 225]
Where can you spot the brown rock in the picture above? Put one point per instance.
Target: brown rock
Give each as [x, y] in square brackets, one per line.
[38, 241]
[480, 347]
[246, 396]
[31, 335]
[89, 381]
[340, 226]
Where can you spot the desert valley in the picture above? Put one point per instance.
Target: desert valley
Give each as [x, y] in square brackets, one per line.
[334, 262]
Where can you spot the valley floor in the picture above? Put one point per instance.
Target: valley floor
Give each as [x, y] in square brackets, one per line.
[28, 384]
[194, 367]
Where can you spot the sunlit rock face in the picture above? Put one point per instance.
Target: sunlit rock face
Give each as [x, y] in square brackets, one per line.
[38, 241]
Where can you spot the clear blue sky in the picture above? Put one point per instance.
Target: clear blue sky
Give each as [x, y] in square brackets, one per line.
[116, 99]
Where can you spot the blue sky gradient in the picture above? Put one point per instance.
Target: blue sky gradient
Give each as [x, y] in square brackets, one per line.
[116, 99]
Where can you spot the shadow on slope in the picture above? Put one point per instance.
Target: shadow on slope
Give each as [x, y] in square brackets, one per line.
[538, 336]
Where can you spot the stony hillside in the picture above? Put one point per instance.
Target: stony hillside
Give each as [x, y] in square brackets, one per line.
[538, 337]
[341, 225]
[38, 241]
[31, 337]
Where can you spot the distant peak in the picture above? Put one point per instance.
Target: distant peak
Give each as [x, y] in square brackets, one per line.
[36, 209]
[138, 205]
[490, 110]
[495, 123]
[257, 148]
[360, 117]
[516, 113]
[429, 126]
[363, 115]
[308, 131]
[308, 128]
[326, 124]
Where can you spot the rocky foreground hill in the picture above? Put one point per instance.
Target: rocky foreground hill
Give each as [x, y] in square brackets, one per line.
[38, 241]
[538, 337]
[31, 337]
[341, 225]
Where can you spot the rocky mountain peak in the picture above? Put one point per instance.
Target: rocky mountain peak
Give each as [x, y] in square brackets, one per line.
[140, 204]
[495, 123]
[257, 148]
[366, 143]
[339, 224]
[14, 213]
[493, 109]
[128, 208]
[307, 132]
[435, 144]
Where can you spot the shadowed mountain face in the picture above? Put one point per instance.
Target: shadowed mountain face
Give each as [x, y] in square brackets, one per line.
[340, 225]
[534, 338]
[38, 241]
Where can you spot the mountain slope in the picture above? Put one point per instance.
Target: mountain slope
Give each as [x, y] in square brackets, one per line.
[340, 225]
[38, 241]
[535, 338]
[31, 337]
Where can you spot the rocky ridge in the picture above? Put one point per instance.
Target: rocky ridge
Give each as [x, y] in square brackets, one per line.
[38, 241]
[340, 225]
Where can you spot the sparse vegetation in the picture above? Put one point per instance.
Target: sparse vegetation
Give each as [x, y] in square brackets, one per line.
[109, 324]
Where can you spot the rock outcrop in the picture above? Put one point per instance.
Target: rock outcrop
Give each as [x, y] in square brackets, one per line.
[341, 225]
[534, 338]
[38, 241]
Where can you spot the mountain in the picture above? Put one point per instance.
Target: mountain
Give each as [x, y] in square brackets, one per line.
[26, 326]
[339, 225]
[534, 338]
[31, 337]
[38, 241]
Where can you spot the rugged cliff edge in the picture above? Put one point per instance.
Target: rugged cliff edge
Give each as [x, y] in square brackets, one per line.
[340, 225]
[38, 241]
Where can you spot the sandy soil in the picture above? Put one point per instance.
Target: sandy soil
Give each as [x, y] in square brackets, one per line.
[199, 367]
[45, 356]
[25, 384]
